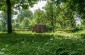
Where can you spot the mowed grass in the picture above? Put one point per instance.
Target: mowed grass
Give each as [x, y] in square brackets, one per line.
[28, 43]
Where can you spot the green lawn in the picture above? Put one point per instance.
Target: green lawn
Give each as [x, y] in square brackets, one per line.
[28, 43]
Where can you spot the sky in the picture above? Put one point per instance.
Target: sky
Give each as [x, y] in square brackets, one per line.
[78, 21]
[39, 5]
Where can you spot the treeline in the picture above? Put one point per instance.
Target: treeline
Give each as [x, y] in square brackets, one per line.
[57, 14]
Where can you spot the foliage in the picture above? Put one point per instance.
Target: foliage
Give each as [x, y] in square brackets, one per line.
[78, 28]
[8, 5]
[23, 3]
[50, 14]
[40, 16]
[3, 21]
[60, 15]
[76, 6]
[22, 20]
[41, 44]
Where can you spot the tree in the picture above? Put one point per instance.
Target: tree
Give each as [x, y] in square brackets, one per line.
[76, 6]
[22, 19]
[50, 13]
[59, 12]
[40, 16]
[3, 21]
[24, 3]
[9, 24]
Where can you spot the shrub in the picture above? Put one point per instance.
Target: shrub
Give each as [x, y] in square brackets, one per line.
[78, 28]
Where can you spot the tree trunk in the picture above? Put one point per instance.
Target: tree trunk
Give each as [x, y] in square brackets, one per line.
[9, 24]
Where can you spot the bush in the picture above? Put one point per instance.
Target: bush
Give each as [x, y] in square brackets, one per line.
[78, 28]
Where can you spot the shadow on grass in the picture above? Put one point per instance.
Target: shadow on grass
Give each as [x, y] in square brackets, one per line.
[40, 44]
[14, 38]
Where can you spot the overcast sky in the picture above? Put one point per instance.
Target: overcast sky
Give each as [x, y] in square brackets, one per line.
[39, 5]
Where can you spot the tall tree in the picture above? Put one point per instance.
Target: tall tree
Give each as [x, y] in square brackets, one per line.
[50, 14]
[10, 3]
[60, 12]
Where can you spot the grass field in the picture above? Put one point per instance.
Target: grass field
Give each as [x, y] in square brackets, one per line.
[28, 43]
